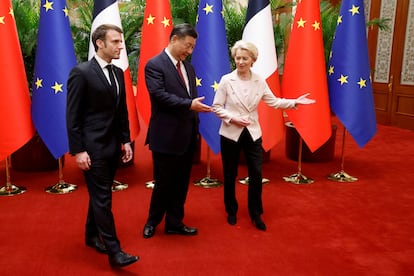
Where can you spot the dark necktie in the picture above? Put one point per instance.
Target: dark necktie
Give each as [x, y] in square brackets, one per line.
[179, 71]
[112, 79]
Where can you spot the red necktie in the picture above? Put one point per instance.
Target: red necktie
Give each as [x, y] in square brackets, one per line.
[179, 71]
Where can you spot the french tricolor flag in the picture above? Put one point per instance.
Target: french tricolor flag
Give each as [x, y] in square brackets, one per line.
[107, 12]
[259, 31]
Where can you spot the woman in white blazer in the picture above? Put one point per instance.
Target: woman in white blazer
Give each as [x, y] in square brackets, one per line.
[235, 103]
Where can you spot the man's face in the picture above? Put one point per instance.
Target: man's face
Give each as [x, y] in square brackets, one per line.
[182, 47]
[111, 47]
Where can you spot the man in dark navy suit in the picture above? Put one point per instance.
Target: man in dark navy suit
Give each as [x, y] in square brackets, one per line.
[98, 128]
[173, 130]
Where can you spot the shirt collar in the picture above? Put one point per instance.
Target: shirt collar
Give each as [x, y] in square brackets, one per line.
[173, 60]
[101, 62]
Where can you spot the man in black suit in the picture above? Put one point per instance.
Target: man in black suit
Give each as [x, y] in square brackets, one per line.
[173, 130]
[98, 128]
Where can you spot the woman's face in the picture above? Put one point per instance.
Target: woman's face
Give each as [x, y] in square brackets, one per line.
[243, 60]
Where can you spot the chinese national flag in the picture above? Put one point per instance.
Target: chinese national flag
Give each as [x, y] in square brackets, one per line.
[305, 72]
[156, 30]
[16, 126]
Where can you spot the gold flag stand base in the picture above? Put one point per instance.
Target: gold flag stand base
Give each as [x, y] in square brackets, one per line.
[245, 180]
[208, 182]
[10, 190]
[150, 184]
[298, 178]
[342, 177]
[61, 188]
[118, 186]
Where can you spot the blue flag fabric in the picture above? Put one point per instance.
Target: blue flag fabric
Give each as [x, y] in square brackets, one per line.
[55, 57]
[101, 5]
[211, 61]
[349, 81]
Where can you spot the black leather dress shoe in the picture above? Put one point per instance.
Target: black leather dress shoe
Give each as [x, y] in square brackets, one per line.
[232, 220]
[97, 244]
[258, 222]
[183, 230]
[148, 231]
[121, 259]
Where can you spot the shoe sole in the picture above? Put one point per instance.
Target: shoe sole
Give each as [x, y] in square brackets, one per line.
[180, 233]
[125, 264]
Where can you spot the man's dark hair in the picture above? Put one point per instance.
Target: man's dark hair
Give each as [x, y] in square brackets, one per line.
[100, 33]
[183, 30]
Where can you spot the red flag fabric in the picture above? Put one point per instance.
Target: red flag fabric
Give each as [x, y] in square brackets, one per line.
[107, 12]
[156, 30]
[305, 72]
[259, 31]
[16, 126]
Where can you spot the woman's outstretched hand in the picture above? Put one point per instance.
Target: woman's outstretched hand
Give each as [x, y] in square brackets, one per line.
[304, 99]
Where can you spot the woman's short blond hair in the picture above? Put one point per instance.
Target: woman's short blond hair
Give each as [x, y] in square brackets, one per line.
[244, 45]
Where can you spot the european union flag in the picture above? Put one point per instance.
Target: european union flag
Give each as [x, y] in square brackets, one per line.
[211, 61]
[55, 57]
[349, 81]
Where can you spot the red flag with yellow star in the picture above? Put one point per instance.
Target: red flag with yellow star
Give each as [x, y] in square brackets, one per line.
[156, 30]
[16, 126]
[305, 72]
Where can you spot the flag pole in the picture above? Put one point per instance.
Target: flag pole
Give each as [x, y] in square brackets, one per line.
[342, 176]
[9, 189]
[299, 178]
[208, 181]
[61, 187]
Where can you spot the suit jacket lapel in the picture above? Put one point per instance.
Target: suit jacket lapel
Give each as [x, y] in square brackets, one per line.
[173, 68]
[99, 72]
[249, 101]
[191, 77]
[236, 95]
[119, 75]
